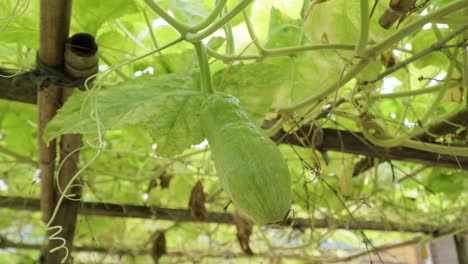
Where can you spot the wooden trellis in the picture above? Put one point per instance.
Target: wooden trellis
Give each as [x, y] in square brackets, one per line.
[54, 30]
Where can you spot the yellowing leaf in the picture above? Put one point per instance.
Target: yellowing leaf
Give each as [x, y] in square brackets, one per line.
[339, 21]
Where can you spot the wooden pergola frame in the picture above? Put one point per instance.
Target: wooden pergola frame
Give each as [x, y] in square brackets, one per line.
[55, 18]
[198, 254]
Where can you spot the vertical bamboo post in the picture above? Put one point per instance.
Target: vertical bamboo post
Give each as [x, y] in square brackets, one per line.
[81, 61]
[54, 29]
[54, 26]
[461, 244]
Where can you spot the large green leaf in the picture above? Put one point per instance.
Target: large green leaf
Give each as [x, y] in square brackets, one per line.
[189, 12]
[17, 127]
[315, 71]
[371, 71]
[338, 22]
[422, 41]
[451, 183]
[256, 85]
[175, 127]
[283, 30]
[89, 15]
[166, 104]
[183, 63]
[18, 21]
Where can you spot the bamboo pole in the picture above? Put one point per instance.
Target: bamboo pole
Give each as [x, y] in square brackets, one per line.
[54, 25]
[183, 215]
[80, 62]
[54, 29]
[461, 244]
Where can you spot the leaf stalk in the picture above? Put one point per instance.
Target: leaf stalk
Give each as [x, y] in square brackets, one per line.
[364, 32]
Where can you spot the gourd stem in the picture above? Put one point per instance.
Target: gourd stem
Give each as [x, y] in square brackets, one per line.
[205, 75]
[230, 46]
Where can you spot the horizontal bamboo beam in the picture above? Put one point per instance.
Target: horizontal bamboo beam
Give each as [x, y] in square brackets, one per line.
[183, 215]
[355, 143]
[5, 244]
[19, 88]
[199, 254]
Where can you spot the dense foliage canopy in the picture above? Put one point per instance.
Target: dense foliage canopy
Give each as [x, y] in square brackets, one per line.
[371, 121]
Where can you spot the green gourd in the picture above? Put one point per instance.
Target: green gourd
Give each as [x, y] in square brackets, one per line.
[248, 164]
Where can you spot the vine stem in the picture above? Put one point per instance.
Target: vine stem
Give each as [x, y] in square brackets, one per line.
[386, 140]
[434, 47]
[278, 52]
[155, 43]
[205, 75]
[218, 24]
[117, 71]
[150, 29]
[252, 34]
[447, 150]
[364, 32]
[230, 43]
[419, 145]
[432, 109]
[118, 66]
[452, 84]
[447, 52]
[275, 128]
[179, 26]
[373, 51]
[208, 20]
[333, 87]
